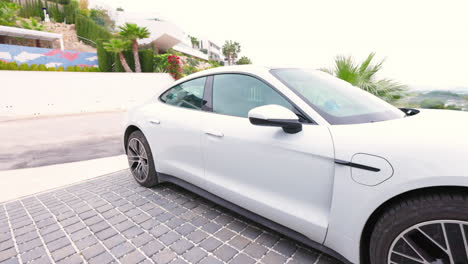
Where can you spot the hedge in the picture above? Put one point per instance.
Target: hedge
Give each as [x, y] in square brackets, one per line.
[105, 59]
[13, 66]
[146, 60]
[87, 28]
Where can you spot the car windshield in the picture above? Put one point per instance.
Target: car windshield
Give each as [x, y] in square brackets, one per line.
[336, 100]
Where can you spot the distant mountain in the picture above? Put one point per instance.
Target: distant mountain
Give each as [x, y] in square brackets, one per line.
[455, 98]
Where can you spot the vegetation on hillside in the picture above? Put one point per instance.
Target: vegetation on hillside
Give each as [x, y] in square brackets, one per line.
[244, 60]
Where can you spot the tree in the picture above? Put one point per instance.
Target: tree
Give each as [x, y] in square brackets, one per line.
[231, 50]
[133, 32]
[244, 60]
[363, 76]
[8, 13]
[195, 42]
[83, 4]
[118, 46]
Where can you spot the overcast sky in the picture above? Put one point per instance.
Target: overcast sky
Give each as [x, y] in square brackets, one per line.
[425, 42]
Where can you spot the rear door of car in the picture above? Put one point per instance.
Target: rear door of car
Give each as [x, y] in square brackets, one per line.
[175, 130]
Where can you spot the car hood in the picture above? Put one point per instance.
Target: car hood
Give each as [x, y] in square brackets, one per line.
[432, 142]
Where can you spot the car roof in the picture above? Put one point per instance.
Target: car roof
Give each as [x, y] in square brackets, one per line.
[253, 69]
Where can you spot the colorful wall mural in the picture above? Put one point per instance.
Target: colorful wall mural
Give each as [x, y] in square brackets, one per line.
[48, 57]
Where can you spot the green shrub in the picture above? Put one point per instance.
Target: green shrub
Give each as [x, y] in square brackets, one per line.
[33, 67]
[70, 68]
[160, 62]
[24, 67]
[105, 58]
[12, 66]
[90, 31]
[146, 60]
[42, 67]
[51, 69]
[77, 68]
[2, 65]
[60, 68]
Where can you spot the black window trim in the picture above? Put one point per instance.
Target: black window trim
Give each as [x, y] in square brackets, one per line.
[208, 95]
[193, 109]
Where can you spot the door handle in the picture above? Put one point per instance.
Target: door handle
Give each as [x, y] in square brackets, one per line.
[214, 133]
[155, 122]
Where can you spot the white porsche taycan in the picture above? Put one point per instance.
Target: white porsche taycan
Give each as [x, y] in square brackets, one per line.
[314, 158]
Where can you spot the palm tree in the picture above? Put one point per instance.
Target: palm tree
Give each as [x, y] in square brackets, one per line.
[231, 50]
[133, 32]
[118, 46]
[363, 76]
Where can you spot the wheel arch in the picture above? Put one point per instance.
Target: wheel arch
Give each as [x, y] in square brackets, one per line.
[372, 220]
[128, 131]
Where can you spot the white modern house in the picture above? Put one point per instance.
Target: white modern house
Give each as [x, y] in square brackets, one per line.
[165, 34]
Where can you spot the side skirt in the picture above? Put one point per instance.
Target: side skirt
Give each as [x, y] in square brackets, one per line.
[252, 216]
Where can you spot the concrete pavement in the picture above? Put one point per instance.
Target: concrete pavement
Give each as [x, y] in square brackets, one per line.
[34, 142]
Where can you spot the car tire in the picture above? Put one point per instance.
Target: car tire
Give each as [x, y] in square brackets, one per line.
[140, 160]
[433, 227]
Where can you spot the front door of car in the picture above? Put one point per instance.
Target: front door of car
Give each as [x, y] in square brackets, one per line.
[174, 126]
[286, 178]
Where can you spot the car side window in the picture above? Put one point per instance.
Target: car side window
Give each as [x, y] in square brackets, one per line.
[188, 94]
[237, 94]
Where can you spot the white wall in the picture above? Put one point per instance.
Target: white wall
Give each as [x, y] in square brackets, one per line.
[26, 93]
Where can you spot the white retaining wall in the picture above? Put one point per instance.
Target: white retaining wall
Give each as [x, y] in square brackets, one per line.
[26, 93]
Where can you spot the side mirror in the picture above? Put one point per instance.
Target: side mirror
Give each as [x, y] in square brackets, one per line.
[275, 116]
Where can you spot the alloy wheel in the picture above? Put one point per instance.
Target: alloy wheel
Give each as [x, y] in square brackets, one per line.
[433, 242]
[137, 159]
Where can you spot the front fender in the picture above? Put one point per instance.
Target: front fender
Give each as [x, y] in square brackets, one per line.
[353, 204]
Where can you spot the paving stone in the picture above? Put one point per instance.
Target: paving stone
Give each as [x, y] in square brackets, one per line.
[106, 233]
[225, 252]
[210, 260]
[86, 242]
[273, 258]
[152, 247]
[194, 254]
[211, 227]
[210, 244]
[114, 241]
[255, 250]
[114, 220]
[10, 261]
[164, 256]
[285, 247]
[197, 236]
[305, 256]
[224, 234]
[251, 232]
[181, 246]
[63, 253]
[33, 254]
[122, 249]
[73, 259]
[239, 242]
[169, 238]
[103, 258]
[132, 258]
[267, 239]
[93, 251]
[58, 244]
[142, 239]
[132, 232]
[242, 259]
[185, 229]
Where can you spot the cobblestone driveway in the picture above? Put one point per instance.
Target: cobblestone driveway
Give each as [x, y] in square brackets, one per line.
[112, 219]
